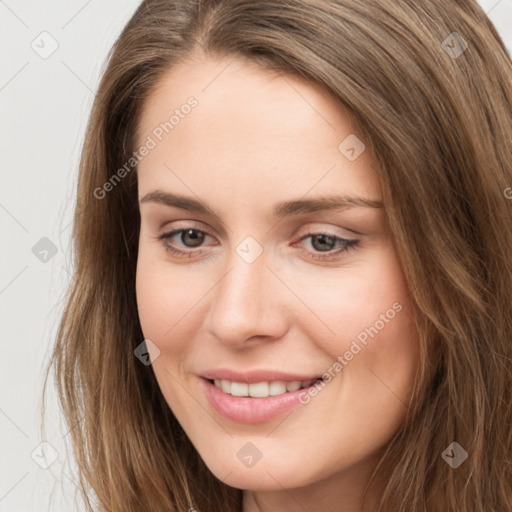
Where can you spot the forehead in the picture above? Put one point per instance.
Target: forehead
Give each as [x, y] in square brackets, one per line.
[252, 128]
[244, 95]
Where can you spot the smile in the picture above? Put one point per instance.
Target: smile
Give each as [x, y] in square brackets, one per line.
[256, 402]
[261, 389]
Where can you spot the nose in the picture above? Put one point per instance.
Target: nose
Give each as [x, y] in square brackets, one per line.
[247, 303]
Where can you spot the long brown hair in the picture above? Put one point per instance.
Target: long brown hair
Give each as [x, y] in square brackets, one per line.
[430, 84]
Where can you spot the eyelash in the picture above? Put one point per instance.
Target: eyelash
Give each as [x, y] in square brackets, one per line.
[347, 244]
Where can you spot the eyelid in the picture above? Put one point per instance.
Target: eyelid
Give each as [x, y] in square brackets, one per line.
[313, 228]
[321, 228]
[316, 228]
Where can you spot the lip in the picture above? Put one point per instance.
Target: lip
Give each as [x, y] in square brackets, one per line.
[253, 376]
[250, 409]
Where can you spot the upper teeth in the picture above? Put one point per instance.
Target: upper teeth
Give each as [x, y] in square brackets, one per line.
[261, 389]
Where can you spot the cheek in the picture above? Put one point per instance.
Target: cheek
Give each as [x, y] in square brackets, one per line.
[371, 315]
[166, 313]
[161, 302]
[363, 304]
[171, 305]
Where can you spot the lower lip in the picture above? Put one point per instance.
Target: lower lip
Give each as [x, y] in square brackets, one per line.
[249, 409]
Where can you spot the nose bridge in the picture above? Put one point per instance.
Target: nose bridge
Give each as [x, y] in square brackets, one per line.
[241, 305]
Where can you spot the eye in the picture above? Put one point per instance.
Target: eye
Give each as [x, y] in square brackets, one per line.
[325, 246]
[192, 236]
[325, 243]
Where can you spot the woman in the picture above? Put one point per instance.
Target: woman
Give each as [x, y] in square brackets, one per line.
[293, 284]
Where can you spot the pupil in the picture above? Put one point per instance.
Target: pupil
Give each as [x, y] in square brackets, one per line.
[196, 240]
[322, 245]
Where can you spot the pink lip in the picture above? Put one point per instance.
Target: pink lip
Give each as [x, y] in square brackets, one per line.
[249, 409]
[253, 376]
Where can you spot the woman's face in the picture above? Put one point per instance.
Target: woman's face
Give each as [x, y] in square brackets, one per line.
[270, 288]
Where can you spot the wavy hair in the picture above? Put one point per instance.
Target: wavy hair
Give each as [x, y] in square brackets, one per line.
[438, 116]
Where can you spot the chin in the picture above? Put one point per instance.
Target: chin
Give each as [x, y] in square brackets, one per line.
[270, 475]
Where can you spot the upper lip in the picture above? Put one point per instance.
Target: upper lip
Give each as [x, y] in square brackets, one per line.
[253, 376]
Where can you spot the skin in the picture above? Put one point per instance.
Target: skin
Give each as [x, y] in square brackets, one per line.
[257, 138]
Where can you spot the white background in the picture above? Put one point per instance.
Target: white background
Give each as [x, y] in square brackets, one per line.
[44, 108]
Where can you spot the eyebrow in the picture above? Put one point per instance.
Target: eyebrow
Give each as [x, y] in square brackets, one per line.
[282, 209]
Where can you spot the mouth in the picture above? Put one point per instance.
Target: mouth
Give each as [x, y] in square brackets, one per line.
[257, 402]
[262, 389]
